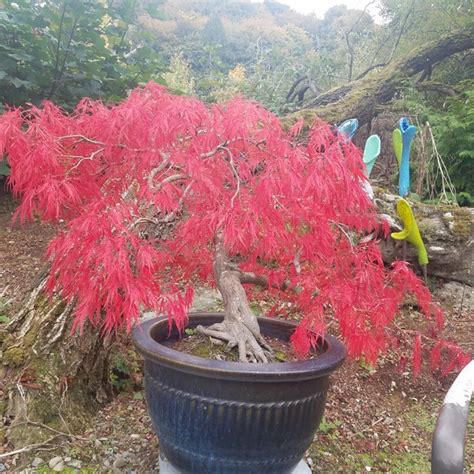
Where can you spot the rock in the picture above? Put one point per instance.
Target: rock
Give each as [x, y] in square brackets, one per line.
[37, 461]
[56, 464]
[120, 461]
[59, 467]
[135, 436]
[388, 197]
[75, 463]
[2, 467]
[148, 315]
[54, 461]
[206, 300]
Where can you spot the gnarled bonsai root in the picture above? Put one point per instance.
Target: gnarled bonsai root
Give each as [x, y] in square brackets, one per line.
[252, 347]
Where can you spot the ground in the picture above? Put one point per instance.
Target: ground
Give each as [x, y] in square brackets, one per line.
[376, 420]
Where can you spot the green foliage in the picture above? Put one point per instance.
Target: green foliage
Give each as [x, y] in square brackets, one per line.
[327, 427]
[124, 371]
[281, 356]
[425, 19]
[275, 45]
[4, 168]
[465, 199]
[138, 396]
[65, 50]
[452, 122]
[179, 78]
[455, 131]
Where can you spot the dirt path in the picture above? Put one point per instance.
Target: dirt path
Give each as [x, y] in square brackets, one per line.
[376, 420]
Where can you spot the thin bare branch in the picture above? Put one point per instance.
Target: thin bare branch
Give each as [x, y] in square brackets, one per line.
[83, 158]
[169, 179]
[234, 170]
[29, 447]
[394, 47]
[81, 138]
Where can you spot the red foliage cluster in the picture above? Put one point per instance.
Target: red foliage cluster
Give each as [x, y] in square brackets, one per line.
[144, 186]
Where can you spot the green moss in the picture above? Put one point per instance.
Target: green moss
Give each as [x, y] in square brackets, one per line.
[427, 228]
[30, 337]
[462, 223]
[202, 350]
[208, 350]
[459, 220]
[26, 434]
[44, 410]
[13, 356]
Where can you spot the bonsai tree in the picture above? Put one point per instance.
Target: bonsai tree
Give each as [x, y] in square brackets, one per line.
[161, 193]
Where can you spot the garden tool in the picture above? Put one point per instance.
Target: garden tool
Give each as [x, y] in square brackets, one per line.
[348, 128]
[408, 133]
[371, 152]
[411, 233]
[397, 143]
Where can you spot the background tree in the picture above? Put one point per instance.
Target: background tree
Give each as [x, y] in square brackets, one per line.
[65, 50]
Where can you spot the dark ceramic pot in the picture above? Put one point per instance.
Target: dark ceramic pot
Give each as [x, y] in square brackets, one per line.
[229, 417]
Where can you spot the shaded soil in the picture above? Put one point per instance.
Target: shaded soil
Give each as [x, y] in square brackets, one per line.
[377, 420]
[22, 250]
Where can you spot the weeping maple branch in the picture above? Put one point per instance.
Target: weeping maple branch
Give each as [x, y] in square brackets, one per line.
[113, 272]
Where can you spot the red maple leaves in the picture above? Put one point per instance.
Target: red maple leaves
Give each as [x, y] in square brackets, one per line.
[144, 185]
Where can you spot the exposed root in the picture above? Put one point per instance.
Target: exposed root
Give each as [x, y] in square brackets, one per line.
[252, 347]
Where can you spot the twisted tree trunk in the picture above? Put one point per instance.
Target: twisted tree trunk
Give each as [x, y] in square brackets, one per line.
[240, 326]
[52, 379]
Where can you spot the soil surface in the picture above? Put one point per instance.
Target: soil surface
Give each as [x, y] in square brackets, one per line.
[201, 346]
[377, 419]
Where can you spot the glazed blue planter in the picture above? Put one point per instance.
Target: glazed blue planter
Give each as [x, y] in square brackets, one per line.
[408, 133]
[214, 416]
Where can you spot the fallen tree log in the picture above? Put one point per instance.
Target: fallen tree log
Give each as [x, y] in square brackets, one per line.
[363, 97]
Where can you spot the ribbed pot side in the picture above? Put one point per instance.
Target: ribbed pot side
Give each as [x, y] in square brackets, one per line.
[228, 417]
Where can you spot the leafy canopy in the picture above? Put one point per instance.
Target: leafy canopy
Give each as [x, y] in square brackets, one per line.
[65, 50]
[144, 187]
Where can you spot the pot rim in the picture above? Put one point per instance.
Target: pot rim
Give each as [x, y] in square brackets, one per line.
[152, 350]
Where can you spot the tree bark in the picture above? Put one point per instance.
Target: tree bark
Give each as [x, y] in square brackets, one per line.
[240, 326]
[361, 98]
[52, 379]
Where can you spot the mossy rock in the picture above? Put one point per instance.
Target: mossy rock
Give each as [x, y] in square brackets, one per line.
[463, 223]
